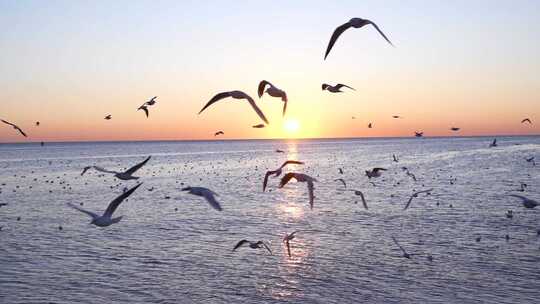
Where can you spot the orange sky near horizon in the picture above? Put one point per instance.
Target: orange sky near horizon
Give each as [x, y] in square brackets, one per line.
[447, 69]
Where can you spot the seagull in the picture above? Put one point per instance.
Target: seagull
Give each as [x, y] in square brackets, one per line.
[355, 23]
[279, 151]
[370, 125]
[105, 219]
[394, 158]
[455, 129]
[336, 88]
[236, 95]
[108, 117]
[287, 238]
[144, 107]
[37, 123]
[259, 126]
[342, 181]
[494, 143]
[126, 175]
[15, 127]
[218, 133]
[405, 254]
[207, 194]
[252, 245]
[340, 171]
[415, 195]
[274, 92]
[375, 172]
[278, 171]
[358, 192]
[418, 134]
[526, 120]
[528, 203]
[396, 116]
[3, 204]
[300, 177]
[531, 160]
[410, 174]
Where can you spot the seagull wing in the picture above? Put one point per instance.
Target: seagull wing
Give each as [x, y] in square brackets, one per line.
[267, 248]
[256, 108]
[401, 248]
[409, 201]
[341, 85]
[21, 131]
[284, 98]
[311, 195]
[526, 120]
[104, 170]
[240, 244]
[363, 200]
[91, 214]
[342, 181]
[337, 32]
[85, 169]
[8, 123]
[375, 170]
[288, 247]
[133, 169]
[291, 162]
[209, 196]
[214, 99]
[286, 178]
[145, 109]
[116, 202]
[380, 32]
[262, 85]
[265, 181]
[519, 196]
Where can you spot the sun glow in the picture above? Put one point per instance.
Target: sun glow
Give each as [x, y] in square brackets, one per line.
[291, 126]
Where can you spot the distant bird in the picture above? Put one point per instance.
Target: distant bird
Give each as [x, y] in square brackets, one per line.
[405, 254]
[218, 133]
[252, 245]
[522, 187]
[528, 203]
[358, 192]
[236, 95]
[396, 116]
[410, 174]
[126, 175]
[418, 134]
[278, 171]
[455, 129]
[354, 23]
[3, 204]
[340, 170]
[352, 117]
[274, 92]
[336, 88]
[108, 117]
[300, 177]
[526, 120]
[509, 214]
[15, 127]
[370, 125]
[394, 158]
[375, 172]
[106, 219]
[279, 151]
[37, 123]
[494, 143]
[207, 194]
[144, 108]
[342, 181]
[415, 195]
[287, 239]
[259, 126]
[531, 160]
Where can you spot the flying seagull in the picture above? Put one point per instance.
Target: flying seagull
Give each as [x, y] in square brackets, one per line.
[252, 245]
[37, 123]
[278, 171]
[279, 151]
[396, 116]
[218, 133]
[354, 23]
[108, 117]
[126, 175]
[300, 177]
[455, 129]
[236, 95]
[259, 126]
[274, 92]
[528, 203]
[15, 127]
[415, 195]
[370, 125]
[418, 134]
[336, 88]
[207, 194]
[531, 160]
[106, 219]
[394, 158]
[526, 120]
[375, 172]
[493, 144]
[287, 239]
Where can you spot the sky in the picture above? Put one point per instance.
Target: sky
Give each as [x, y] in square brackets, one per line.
[67, 64]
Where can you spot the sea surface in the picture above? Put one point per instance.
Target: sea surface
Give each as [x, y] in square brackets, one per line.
[172, 247]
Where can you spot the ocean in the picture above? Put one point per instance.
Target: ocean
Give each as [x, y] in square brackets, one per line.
[172, 247]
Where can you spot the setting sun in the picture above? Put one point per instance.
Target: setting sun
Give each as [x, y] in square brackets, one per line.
[291, 125]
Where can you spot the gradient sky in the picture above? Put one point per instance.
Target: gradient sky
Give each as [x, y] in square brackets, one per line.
[471, 64]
